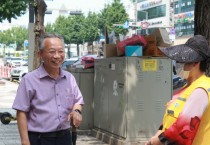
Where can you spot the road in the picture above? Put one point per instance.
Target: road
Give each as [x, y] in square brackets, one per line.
[9, 133]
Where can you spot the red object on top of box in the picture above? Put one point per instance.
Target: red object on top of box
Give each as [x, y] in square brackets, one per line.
[135, 40]
[88, 59]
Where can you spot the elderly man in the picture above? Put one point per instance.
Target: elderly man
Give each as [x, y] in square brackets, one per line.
[48, 98]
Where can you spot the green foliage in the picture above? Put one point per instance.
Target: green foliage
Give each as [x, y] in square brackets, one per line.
[77, 26]
[12, 9]
[91, 27]
[14, 35]
[113, 14]
[49, 28]
[62, 26]
[76, 29]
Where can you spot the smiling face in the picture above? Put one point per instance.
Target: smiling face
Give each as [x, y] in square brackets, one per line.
[52, 54]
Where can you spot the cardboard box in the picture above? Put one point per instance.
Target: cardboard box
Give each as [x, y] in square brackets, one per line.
[119, 53]
[110, 50]
[151, 49]
[133, 50]
[162, 37]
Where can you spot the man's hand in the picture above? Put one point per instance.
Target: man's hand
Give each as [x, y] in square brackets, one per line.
[26, 142]
[155, 139]
[76, 117]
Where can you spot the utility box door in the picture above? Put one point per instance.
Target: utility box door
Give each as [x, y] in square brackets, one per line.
[117, 97]
[130, 95]
[101, 94]
[149, 87]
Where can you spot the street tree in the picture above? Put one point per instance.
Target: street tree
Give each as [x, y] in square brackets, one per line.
[18, 36]
[114, 13]
[77, 34]
[49, 28]
[15, 35]
[40, 8]
[12, 9]
[5, 37]
[72, 29]
[91, 28]
[202, 18]
[63, 27]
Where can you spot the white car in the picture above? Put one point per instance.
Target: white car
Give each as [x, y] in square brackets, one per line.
[17, 73]
[15, 61]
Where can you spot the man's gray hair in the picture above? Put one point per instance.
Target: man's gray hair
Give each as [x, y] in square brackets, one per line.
[48, 35]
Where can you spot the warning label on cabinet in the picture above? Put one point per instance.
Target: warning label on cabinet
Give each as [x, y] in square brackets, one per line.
[149, 65]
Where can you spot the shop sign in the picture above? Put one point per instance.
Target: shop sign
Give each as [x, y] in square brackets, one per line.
[144, 24]
[151, 3]
[155, 23]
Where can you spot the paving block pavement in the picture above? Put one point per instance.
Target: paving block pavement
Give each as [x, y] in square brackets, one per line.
[9, 134]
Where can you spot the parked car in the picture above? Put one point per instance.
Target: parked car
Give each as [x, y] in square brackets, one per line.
[68, 62]
[17, 73]
[15, 61]
[86, 61]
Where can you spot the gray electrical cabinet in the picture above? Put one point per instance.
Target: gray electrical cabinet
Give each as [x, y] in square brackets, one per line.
[85, 81]
[130, 95]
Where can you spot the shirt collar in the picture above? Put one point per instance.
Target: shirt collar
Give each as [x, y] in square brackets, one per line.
[43, 73]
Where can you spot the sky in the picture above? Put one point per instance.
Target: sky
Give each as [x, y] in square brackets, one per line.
[84, 5]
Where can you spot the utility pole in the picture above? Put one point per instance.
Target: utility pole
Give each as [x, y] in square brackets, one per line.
[31, 36]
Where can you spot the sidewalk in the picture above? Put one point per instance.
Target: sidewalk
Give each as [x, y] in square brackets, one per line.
[9, 136]
[9, 133]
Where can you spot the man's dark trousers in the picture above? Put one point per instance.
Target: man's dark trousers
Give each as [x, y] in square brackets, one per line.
[39, 139]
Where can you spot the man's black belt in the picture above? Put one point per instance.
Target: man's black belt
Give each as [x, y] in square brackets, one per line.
[59, 133]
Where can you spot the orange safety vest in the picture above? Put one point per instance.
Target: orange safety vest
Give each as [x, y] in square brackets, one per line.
[174, 109]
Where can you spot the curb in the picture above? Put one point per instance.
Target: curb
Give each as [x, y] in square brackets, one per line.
[2, 82]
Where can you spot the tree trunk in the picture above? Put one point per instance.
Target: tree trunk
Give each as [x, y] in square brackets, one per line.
[69, 51]
[39, 9]
[202, 18]
[77, 49]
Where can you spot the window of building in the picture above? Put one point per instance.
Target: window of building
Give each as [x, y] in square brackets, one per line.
[63, 12]
[184, 29]
[140, 1]
[156, 12]
[183, 4]
[48, 12]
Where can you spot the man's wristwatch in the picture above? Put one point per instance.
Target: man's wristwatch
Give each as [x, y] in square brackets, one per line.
[78, 111]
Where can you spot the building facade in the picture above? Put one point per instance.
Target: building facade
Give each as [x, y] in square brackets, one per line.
[184, 17]
[177, 16]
